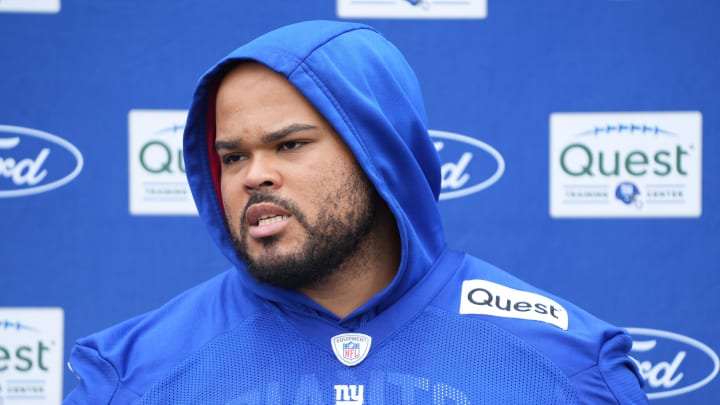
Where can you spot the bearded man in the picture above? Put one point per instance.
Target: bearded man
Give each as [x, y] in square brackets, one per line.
[308, 154]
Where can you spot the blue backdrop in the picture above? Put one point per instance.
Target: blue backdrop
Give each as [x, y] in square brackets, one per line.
[101, 87]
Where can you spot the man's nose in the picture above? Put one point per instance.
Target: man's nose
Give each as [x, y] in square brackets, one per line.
[262, 172]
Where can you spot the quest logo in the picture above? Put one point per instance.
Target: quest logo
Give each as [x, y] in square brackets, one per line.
[158, 185]
[33, 161]
[31, 355]
[627, 164]
[467, 9]
[672, 364]
[468, 165]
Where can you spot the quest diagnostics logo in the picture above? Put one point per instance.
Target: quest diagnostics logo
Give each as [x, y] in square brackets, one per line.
[31, 355]
[644, 164]
[672, 364]
[466, 9]
[467, 164]
[158, 185]
[34, 161]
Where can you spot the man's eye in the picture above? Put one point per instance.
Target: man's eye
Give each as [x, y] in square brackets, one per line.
[291, 145]
[232, 158]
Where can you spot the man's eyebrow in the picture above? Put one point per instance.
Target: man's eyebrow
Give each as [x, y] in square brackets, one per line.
[288, 130]
[267, 138]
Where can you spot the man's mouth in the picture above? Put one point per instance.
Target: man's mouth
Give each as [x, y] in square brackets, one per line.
[270, 219]
[266, 219]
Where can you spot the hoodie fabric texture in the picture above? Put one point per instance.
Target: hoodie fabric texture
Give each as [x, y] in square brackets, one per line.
[449, 328]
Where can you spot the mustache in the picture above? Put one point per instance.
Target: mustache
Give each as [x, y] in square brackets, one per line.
[264, 197]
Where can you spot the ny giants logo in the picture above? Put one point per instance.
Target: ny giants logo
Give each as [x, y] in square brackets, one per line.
[349, 394]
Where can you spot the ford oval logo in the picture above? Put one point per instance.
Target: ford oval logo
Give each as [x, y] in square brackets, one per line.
[33, 161]
[672, 364]
[468, 165]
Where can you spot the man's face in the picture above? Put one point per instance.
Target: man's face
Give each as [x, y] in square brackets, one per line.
[296, 202]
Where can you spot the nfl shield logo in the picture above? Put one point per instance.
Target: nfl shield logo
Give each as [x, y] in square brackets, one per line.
[351, 348]
[351, 351]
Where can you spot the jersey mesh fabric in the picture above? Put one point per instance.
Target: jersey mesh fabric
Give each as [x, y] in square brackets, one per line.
[439, 358]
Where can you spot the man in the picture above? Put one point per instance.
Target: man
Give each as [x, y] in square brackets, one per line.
[309, 158]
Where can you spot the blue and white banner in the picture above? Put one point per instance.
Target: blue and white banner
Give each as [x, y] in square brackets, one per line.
[577, 142]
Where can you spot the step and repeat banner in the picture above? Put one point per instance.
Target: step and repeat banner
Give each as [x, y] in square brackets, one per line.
[578, 141]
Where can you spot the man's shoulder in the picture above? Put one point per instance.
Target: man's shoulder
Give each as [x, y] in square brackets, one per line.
[147, 346]
[589, 352]
[566, 333]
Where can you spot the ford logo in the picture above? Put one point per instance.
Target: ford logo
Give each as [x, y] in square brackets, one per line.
[33, 161]
[468, 165]
[672, 364]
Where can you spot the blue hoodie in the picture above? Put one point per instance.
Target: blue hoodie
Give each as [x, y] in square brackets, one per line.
[449, 328]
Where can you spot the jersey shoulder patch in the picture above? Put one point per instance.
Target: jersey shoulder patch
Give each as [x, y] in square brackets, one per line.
[482, 297]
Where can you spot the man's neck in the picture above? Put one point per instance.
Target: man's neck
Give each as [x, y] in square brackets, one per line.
[365, 273]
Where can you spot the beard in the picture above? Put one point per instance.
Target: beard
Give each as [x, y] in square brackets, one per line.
[346, 216]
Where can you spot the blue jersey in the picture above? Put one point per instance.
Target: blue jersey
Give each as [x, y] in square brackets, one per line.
[448, 329]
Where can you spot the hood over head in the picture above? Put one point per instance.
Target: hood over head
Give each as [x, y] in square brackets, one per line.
[366, 90]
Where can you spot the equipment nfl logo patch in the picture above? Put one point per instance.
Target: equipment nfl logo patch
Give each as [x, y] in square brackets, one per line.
[351, 348]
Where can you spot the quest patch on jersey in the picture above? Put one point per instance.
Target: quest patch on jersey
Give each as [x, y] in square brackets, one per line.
[351, 348]
[482, 297]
